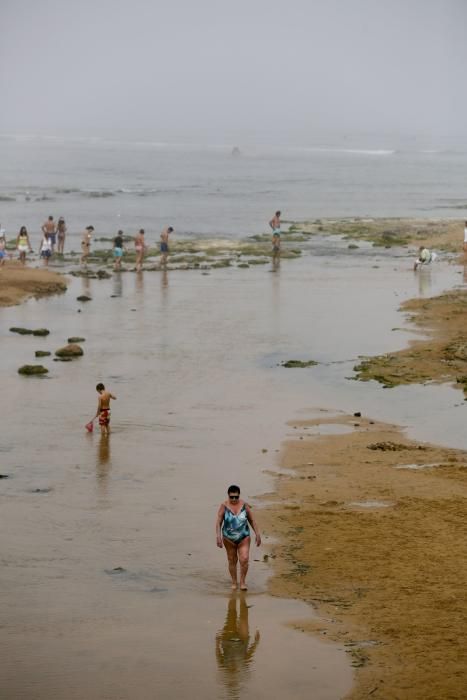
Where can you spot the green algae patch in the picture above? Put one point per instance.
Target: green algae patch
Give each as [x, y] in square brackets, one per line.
[32, 370]
[298, 363]
[42, 353]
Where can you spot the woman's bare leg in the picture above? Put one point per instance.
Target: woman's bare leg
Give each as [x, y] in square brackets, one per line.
[244, 556]
[232, 556]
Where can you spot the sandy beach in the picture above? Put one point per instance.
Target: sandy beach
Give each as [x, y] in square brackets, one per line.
[110, 559]
[18, 283]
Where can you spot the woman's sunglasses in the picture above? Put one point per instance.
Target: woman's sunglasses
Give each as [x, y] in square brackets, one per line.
[234, 498]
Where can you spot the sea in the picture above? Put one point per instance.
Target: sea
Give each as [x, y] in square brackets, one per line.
[218, 190]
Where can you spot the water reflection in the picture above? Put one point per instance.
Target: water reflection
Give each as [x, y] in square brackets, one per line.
[86, 285]
[424, 282]
[139, 282]
[234, 650]
[464, 276]
[117, 284]
[164, 278]
[103, 464]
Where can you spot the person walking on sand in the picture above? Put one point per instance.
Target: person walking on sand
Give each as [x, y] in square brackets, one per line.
[233, 521]
[118, 250]
[103, 408]
[140, 248]
[465, 237]
[165, 244]
[49, 228]
[45, 249]
[61, 233]
[275, 225]
[86, 244]
[23, 245]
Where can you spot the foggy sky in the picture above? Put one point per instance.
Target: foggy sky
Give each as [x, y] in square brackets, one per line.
[221, 71]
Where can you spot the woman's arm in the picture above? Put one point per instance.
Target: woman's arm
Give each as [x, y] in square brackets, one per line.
[253, 523]
[219, 521]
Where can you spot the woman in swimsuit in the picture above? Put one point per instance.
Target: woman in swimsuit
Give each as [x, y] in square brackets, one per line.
[23, 245]
[140, 248]
[234, 518]
[61, 233]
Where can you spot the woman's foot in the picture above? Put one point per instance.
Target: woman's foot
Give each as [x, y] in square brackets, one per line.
[234, 585]
[243, 587]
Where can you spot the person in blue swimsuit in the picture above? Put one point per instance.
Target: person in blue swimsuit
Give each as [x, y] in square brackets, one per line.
[234, 518]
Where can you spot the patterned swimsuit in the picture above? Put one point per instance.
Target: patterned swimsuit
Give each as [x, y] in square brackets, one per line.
[235, 527]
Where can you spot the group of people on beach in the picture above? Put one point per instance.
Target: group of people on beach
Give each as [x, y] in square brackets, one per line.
[234, 516]
[53, 241]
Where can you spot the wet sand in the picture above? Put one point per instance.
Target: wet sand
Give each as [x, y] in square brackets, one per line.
[18, 283]
[372, 534]
[107, 545]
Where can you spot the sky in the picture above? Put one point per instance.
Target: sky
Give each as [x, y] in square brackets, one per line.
[278, 71]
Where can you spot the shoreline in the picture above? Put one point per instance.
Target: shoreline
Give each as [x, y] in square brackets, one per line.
[369, 527]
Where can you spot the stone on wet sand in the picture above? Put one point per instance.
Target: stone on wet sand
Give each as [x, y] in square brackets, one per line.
[30, 370]
[83, 297]
[21, 331]
[299, 363]
[71, 350]
[41, 332]
[76, 339]
[42, 353]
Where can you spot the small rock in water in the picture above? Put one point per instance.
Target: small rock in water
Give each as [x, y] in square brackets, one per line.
[83, 297]
[299, 363]
[21, 331]
[71, 350]
[29, 370]
[357, 414]
[41, 331]
[45, 490]
[264, 450]
[42, 353]
[76, 339]
[4, 476]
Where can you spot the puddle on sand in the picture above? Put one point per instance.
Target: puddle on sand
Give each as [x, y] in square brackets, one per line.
[370, 504]
[418, 466]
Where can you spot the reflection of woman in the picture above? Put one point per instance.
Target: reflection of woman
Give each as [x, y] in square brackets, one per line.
[234, 651]
[61, 233]
[233, 532]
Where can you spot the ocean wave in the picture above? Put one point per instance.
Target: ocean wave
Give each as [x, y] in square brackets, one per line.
[7, 198]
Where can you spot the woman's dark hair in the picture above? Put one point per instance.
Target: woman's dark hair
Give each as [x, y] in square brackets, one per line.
[100, 387]
[23, 229]
[233, 489]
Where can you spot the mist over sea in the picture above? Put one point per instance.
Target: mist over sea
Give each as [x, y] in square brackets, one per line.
[204, 190]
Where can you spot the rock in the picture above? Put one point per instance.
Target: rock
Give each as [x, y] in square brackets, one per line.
[21, 331]
[352, 246]
[83, 297]
[71, 350]
[103, 275]
[299, 363]
[41, 332]
[42, 353]
[32, 370]
[63, 359]
[76, 339]
[4, 476]
[357, 414]
[264, 450]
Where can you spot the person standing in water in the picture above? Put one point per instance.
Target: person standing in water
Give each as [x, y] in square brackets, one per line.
[50, 230]
[45, 248]
[140, 248]
[465, 237]
[118, 250]
[103, 408]
[61, 233]
[22, 244]
[2, 247]
[275, 225]
[233, 521]
[165, 244]
[86, 244]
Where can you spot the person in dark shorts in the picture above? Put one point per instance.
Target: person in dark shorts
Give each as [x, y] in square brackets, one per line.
[103, 408]
[118, 250]
[165, 244]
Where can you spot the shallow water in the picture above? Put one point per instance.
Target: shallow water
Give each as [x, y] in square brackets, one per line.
[112, 585]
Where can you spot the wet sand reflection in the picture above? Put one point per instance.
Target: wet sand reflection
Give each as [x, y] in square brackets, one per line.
[103, 464]
[234, 650]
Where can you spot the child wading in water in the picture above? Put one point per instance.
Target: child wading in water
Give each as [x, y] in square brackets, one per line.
[103, 408]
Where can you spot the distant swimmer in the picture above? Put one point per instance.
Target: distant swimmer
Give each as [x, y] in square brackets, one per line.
[23, 245]
[45, 248]
[86, 239]
[61, 233]
[49, 228]
[165, 244]
[234, 518]
[103, 408]
[140, 248]
[118, 250]
[275, 225]
[465, 237]
[425, 257]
